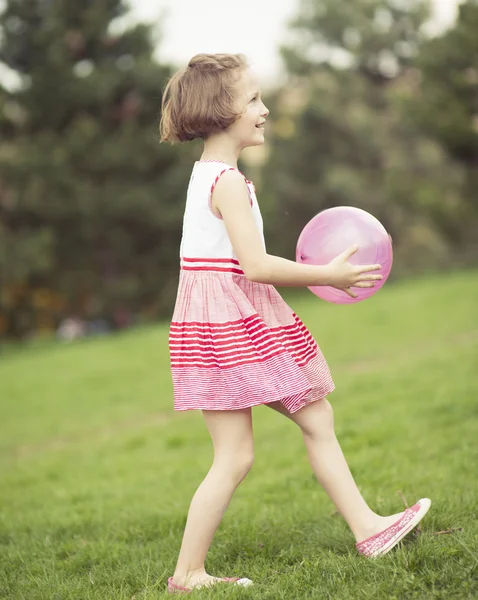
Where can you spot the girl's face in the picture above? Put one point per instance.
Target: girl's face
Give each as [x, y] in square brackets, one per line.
[248, 130]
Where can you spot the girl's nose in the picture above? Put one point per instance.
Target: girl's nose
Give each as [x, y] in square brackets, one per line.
[265, 111]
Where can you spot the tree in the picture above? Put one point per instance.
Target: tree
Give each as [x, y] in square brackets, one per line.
[341, 137]
[90, 204]
[376, 38]
[445, 107]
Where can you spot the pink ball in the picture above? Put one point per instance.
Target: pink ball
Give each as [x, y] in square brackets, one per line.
[334, 230]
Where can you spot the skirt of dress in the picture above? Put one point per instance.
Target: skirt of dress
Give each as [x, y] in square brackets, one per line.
[235, 344]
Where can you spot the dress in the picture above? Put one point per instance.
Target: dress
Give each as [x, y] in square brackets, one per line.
[234, 343]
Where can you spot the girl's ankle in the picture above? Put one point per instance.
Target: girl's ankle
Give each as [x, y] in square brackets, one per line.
[186, 578]
[379, 524]
[367, 528]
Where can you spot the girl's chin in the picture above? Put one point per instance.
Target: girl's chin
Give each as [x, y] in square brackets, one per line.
[258, 140]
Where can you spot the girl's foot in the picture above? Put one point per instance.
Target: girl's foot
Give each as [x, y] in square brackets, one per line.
[380, 523]
[384, 540]
[199, 580]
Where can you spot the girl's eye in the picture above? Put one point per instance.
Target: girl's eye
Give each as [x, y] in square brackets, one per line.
[254, 99]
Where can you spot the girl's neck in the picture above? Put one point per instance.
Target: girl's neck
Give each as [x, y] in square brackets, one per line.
[216, 149]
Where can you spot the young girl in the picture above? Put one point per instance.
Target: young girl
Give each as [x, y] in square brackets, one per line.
[234, 342]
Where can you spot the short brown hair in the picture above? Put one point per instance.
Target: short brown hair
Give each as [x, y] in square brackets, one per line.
[200, 99]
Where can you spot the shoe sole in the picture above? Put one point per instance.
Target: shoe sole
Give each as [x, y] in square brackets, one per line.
[425, 507]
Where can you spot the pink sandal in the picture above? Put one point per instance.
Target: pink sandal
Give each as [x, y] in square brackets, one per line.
[382, 542]
[174, 588]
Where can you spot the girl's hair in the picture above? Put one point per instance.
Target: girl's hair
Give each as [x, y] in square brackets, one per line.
[200, 99]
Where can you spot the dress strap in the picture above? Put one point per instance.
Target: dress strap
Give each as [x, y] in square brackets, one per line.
[214, 185]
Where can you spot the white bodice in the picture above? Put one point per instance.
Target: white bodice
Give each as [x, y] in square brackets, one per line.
[204, 234]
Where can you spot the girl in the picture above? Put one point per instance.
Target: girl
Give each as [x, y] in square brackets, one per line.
[234, 342]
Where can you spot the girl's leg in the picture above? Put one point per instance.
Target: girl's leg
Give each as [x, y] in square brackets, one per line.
[331, 470]
[231, 433]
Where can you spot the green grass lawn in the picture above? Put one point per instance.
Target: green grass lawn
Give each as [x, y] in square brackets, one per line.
[97, 471]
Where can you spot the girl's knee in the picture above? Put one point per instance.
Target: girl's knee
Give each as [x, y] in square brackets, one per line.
[246, 463]
[240, 467]
[236, 465]
[318, 421]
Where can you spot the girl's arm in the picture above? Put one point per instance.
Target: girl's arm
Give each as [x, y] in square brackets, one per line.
[231, 199]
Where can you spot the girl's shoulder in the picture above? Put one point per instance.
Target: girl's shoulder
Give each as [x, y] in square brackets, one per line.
[215, 169]
[211, 166]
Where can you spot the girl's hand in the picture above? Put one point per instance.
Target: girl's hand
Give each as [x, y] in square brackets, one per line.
[343, 275]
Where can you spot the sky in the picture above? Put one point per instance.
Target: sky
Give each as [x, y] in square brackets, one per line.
[254, 27]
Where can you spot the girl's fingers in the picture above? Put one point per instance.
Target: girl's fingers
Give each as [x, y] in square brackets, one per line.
[350, 293]
[366, 268]
[349, 252]
[364, 284]
[367, 277]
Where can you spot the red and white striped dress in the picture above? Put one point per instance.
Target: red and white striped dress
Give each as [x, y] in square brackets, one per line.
[234, 343]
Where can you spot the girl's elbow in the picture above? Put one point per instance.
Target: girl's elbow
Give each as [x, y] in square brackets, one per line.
[253, 276]
[250, 272]
[255, 272]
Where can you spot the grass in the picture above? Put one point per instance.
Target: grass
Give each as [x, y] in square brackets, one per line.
[97, 471]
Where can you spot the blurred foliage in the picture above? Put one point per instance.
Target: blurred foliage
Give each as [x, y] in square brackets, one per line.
[447, 100]
[374, 114]
[345, 131]
[445, 107]
[90, 208]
